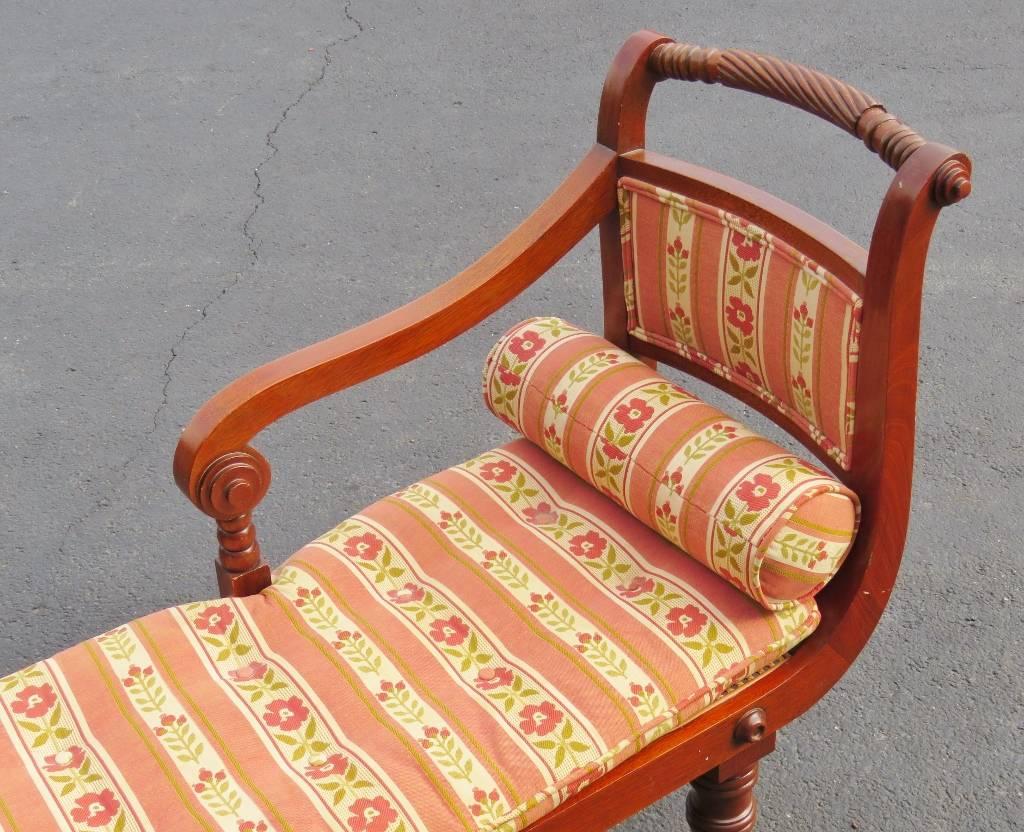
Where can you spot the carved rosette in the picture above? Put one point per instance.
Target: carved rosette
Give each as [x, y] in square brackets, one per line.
[228, 491]
[952, 182]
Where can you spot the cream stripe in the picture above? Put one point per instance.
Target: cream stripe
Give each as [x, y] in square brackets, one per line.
[604, 418]
[491, 640]
[761, 328]
[684, 276]
[530, 583]
[443, 664]
[789, 494]
[749, 578]
[326, 715]
[177, 785]
[721, 620]
[809, 295]
[576, 392]
[415, 711]
[494, 641]
[636, 451]
[535, 361]
[245, 709]
[694, 448]
[692, 457]
[634, 243]
[188, 761]
[548, 540]
[29, 765]
[131, 805]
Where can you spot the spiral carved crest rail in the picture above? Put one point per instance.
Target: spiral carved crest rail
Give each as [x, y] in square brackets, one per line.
[815, 92]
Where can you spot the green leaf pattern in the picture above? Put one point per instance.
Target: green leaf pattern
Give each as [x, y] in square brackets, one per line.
[554, 613]
[168, 720]
[306, 740]
[462, 643]
[72, 767]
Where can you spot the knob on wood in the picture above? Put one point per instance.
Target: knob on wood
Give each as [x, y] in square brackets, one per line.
[752, 726]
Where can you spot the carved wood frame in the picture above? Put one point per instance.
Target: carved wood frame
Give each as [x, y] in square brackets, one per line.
[221, 474]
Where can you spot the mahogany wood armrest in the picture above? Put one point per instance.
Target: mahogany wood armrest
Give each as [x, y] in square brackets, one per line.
[214, 465]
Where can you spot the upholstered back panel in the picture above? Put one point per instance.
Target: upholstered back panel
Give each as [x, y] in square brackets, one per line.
[727, 295]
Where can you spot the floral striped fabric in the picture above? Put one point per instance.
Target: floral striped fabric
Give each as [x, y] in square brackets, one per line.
[731, 297]
[771, 524]
[463, 655]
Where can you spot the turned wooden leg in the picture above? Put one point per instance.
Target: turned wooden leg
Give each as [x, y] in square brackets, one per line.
[719, 803]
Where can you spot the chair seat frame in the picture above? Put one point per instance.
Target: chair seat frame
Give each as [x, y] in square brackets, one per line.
[222, 474]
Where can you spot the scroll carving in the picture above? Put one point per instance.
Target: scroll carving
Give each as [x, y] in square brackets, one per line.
[228, 491]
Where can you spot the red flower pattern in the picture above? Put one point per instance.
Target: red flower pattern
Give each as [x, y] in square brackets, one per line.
[664, 513]
[96, 808]
[34, 701]
[676, 248]
[249, 673]
[451, 631]
[525, 346]
[371, 815]
[508, 378]
[286, 714]
[215, 620]
[589, 545]
[632, 414]
[540, 515]
[540, 719]
[686, 621]
[501, 471]
[611, 450]
[758, 492]
[335, 764]
[366, 546]
[408, 594]
[740, 315]
[744, 370]
[802, 314]
[491, 678]
[638, 586]
[747, 248]
[72, 757]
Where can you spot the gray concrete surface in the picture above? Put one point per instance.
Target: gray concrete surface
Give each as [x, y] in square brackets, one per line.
[189, 189]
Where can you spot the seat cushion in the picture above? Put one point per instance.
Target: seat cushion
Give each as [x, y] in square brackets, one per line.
[462, 655]
[763, 518]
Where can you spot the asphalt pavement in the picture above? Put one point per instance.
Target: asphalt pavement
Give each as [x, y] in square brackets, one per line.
[190, 189]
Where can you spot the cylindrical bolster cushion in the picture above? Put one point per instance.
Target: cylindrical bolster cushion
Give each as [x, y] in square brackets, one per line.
[772, 524]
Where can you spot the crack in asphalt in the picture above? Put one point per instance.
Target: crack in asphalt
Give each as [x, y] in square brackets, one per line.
[260, 200]
[253, 259]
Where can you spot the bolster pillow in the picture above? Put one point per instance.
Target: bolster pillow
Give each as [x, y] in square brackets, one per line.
[770, 523]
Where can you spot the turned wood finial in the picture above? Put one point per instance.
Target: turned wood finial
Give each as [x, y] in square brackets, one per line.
[952, 182]
[752, 726]
[228, 491]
